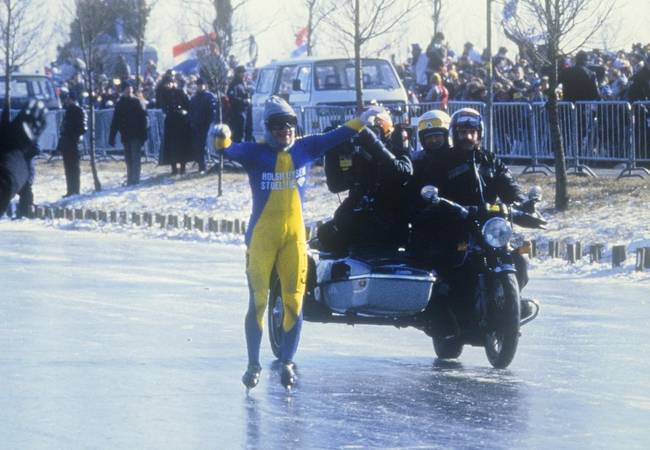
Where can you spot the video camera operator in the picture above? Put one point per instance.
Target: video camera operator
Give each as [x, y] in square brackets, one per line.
[17, 148]
[375, 168]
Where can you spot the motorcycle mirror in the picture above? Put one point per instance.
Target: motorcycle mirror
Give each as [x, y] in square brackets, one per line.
[535, 193]
[430, 193]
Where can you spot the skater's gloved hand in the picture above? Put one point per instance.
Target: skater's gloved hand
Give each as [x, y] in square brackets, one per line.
[221, 134]
[367, 117]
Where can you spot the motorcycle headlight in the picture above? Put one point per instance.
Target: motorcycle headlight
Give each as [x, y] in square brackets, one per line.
[497, 232]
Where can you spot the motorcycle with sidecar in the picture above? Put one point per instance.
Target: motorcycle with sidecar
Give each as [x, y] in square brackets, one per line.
[396, 289]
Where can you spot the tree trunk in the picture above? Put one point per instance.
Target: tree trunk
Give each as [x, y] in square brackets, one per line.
[310, 21]
[91, 129]
[358, 79]
[561, 190]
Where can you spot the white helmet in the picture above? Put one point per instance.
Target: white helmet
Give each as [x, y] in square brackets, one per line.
[431, 122]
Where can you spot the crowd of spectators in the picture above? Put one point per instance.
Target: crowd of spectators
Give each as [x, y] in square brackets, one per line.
[439, 74]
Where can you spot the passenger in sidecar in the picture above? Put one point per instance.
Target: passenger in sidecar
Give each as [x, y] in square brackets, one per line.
[375, 168]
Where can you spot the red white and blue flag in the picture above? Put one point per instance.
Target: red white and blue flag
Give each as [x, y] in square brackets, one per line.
[186, 54]
[301, 43]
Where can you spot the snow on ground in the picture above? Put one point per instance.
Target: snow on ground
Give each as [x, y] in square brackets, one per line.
[603, 210]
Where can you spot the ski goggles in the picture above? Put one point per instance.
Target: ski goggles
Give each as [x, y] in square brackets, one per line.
[281, 123]
[466, 122]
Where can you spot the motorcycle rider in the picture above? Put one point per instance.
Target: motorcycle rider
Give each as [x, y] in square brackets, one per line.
[275, 237]
[466, 174]
[375, 168]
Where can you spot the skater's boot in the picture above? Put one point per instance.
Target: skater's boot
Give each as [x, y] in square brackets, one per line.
[252, 376]
[288, 376]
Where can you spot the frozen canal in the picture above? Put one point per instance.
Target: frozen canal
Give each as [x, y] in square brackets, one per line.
[128, 343]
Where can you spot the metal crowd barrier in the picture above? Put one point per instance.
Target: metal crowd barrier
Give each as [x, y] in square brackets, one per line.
[50, 137]
[616, 132]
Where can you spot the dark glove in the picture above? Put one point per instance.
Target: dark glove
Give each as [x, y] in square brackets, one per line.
[28, 126]
[373, 145]
[111, 142]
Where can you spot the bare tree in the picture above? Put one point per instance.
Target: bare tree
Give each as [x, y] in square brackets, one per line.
[90, 24]
[316, 13]
[564, 26]
[20, 28]
[219, 30]
[436, 16]
[358, 23]
[140, 10]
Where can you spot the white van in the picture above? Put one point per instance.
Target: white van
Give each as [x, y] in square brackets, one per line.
[309, 82]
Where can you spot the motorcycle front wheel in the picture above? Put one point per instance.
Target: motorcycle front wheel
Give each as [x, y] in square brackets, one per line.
[502, 335]
[275, 314]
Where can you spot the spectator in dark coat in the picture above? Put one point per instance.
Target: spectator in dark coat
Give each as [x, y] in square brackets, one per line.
[239, 98]
[203, 112]
[578, 82]
[73, 127]
[176, 137]
[130, 120]
[639, 89]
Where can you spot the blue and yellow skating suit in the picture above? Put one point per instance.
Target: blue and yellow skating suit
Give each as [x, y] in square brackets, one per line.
[276, 232]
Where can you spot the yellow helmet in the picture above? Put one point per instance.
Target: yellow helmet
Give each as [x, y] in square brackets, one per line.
[433, 121]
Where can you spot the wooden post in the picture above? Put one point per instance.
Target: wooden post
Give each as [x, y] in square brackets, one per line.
[596, 253]
[172, 221]
[640, 259]
[135, 218]
[213, 225]
[223, 226]
[571, 253]
[578, 250]
[147, 218]
[187, 222]
[161, 220]
[618, 255]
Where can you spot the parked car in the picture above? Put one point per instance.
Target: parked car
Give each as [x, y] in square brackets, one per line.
[26, 86]
[318, 82]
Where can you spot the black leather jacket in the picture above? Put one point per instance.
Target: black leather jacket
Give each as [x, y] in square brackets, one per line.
[467, 178]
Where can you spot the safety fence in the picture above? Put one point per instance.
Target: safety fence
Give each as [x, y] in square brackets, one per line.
[617, 132]
[49, 138]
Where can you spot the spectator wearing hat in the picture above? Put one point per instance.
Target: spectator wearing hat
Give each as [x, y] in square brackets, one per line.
[239, 97]
[174, 103]
[130, 120]
[203, 112]
[73, 127]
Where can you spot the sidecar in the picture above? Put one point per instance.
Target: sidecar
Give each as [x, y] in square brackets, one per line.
[372, 287]
[374, 290]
